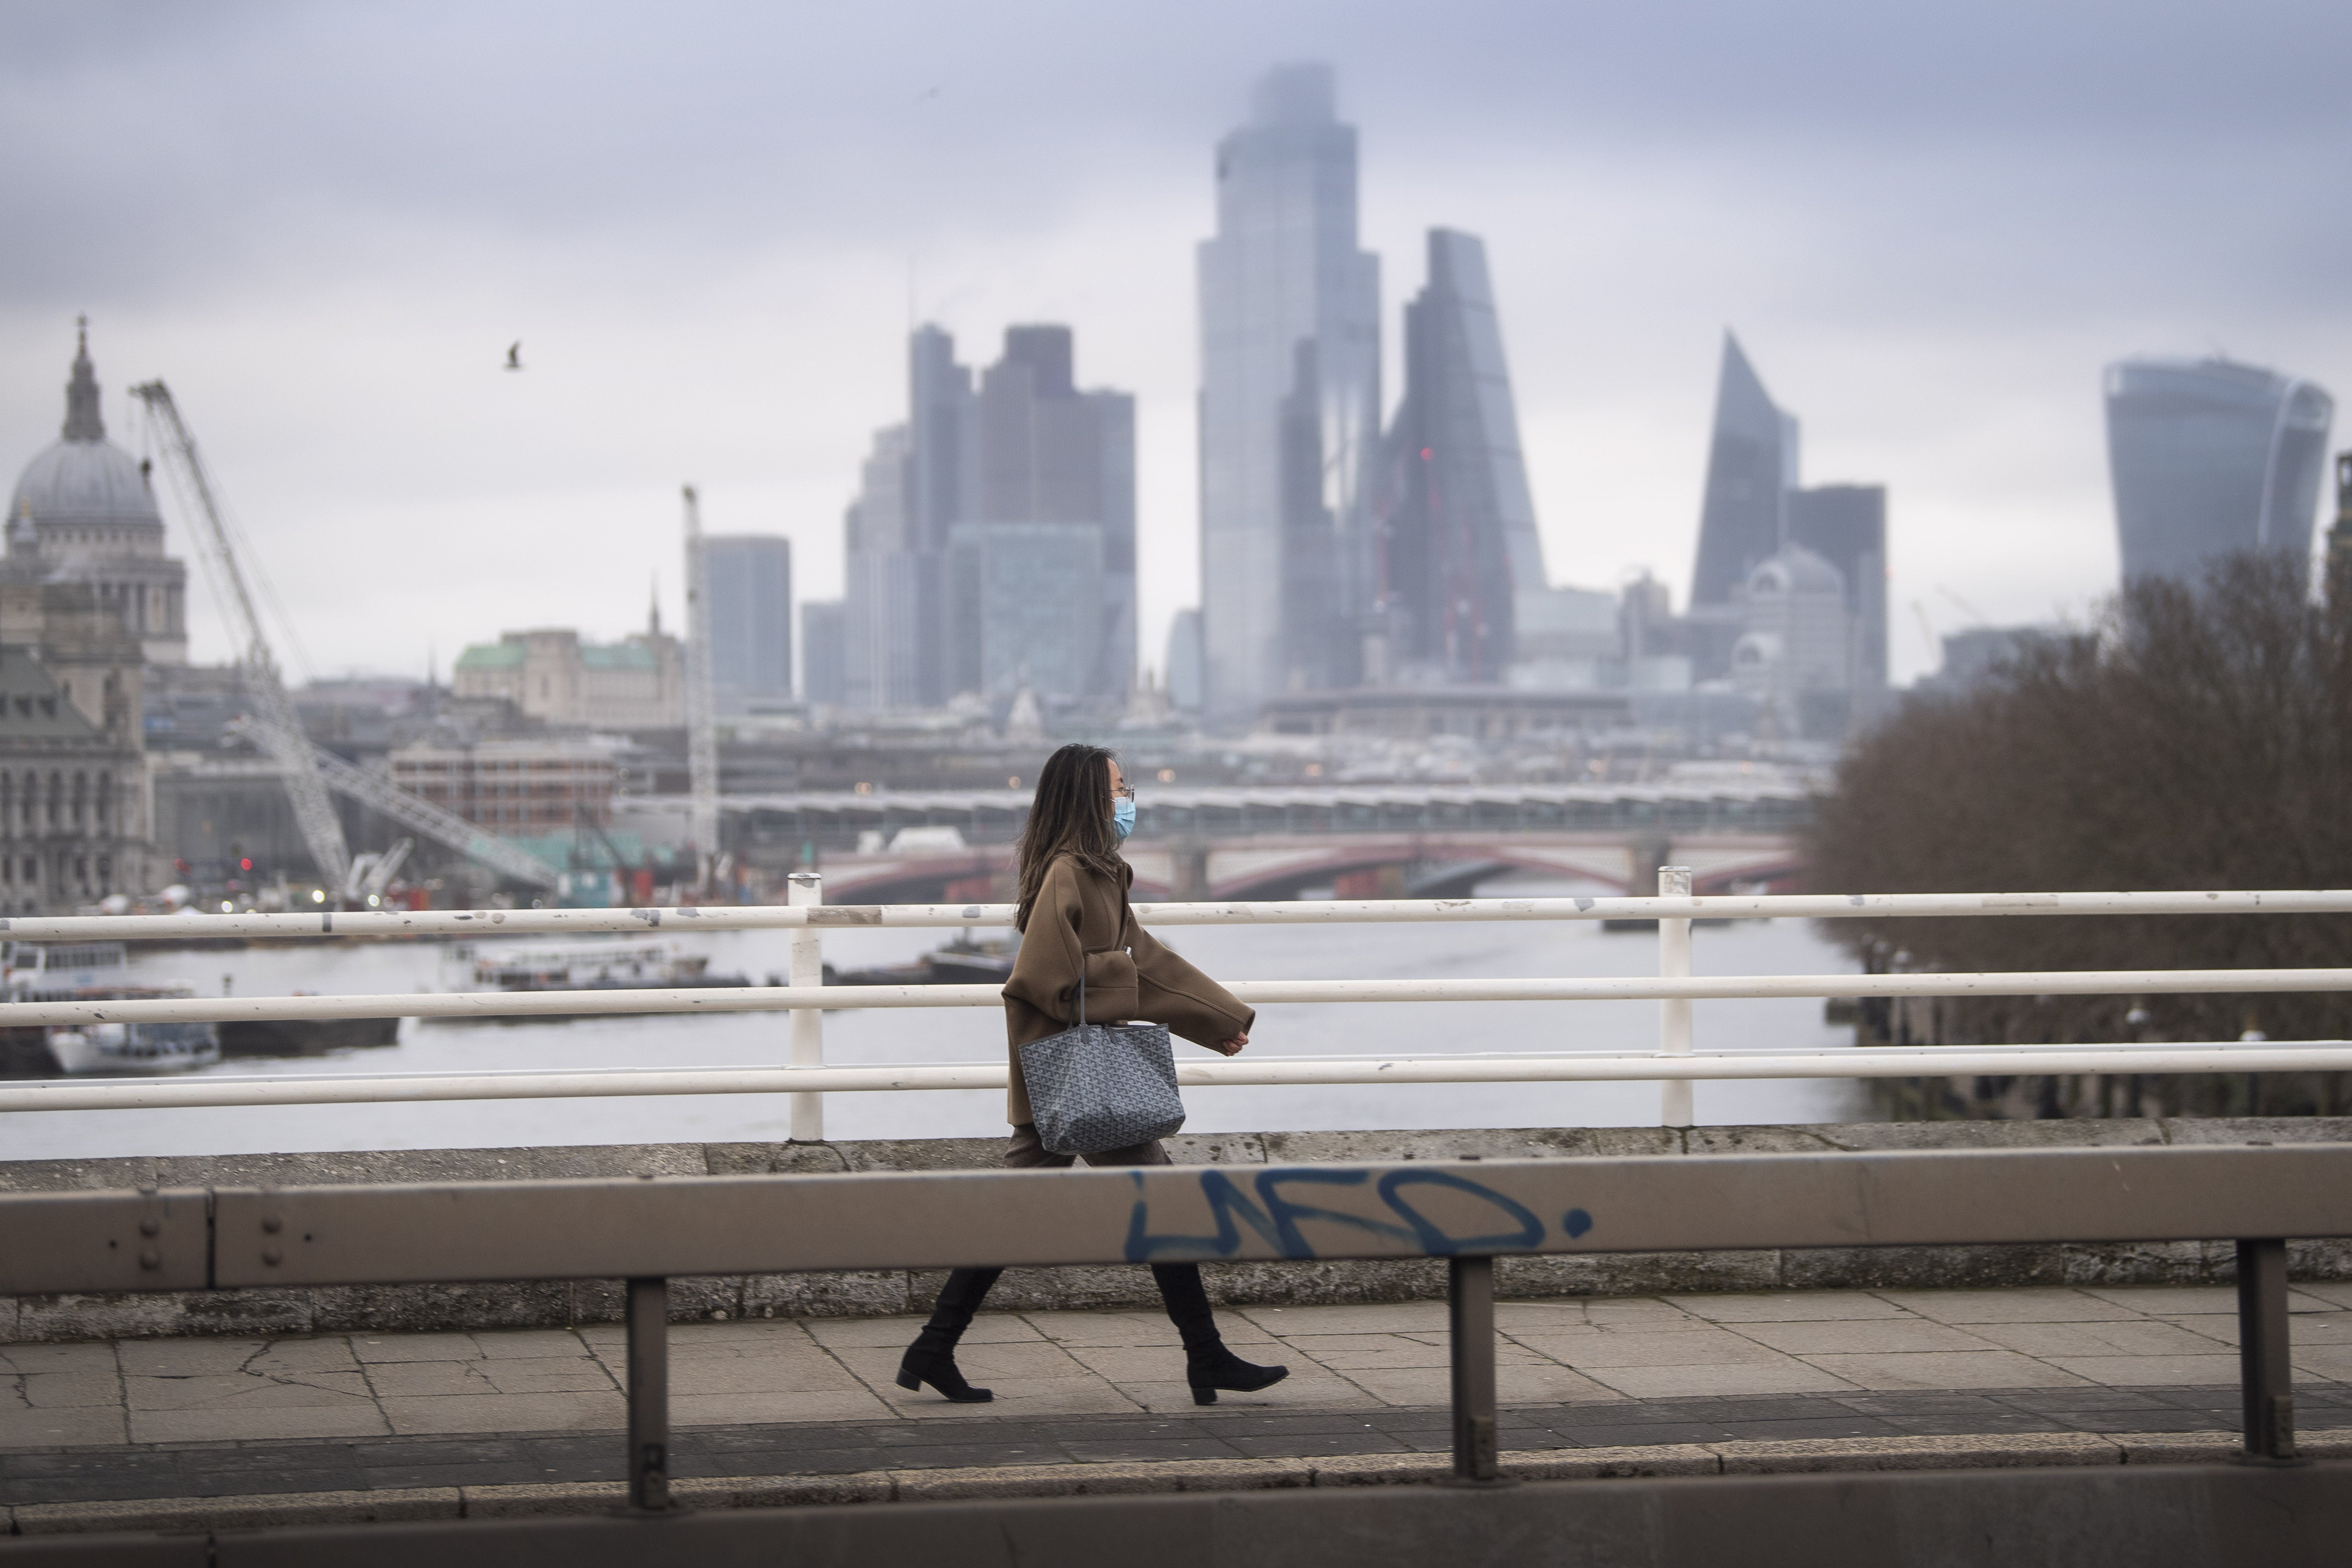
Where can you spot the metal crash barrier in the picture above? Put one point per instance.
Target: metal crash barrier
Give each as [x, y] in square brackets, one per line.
[651, 1230]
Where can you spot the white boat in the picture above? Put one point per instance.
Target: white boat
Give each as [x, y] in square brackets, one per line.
[95, 972]
[629, 963]
[140, 1049]
[61, 970]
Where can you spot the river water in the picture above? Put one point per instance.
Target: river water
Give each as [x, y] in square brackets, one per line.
[1512, 950]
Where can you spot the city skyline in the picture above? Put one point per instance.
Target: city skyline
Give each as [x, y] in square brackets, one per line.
[323, 320]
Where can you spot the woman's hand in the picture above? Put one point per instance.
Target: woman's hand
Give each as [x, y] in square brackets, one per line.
[1231, 1048]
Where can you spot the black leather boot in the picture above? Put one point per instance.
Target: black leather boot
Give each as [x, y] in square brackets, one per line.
[931, 1358]
[1208, 1364]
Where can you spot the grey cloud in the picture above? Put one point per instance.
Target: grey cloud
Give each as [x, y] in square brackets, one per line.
[174, 131]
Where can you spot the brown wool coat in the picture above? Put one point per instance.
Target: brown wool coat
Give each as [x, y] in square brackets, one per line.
[1130, 976]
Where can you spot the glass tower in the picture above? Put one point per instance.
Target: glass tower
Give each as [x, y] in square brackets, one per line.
[1290, 401]
[1457, 543]
[2210, 456]
[750, 620]
[1024, 452]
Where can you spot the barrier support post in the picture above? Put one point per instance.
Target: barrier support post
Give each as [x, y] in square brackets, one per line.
[648, 1334]
[2264, 1372]
[1470, 1323]
[808, 888]
[1675, 1014]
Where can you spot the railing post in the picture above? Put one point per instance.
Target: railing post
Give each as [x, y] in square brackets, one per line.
[648, 1334]
[2264, 1373]
[1675, 1012]
[1470, 1324]
[808, 888]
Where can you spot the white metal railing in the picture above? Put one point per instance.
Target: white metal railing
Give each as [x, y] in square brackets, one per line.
[1675, 1065]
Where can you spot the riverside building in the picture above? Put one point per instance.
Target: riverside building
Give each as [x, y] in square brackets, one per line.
[551, 675]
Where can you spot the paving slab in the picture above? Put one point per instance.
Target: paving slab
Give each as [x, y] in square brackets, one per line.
[1944, 1370]
[520, 1409]
[1789, 1307]
[2140, 1371]
[2022, 1306]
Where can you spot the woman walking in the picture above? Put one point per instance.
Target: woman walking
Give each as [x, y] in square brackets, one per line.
[1075, 920]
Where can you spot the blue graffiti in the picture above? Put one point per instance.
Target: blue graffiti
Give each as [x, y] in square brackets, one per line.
[1437, 1242]
[1275, 1217]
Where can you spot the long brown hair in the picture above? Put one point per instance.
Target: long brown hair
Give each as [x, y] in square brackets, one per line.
[1070, 815]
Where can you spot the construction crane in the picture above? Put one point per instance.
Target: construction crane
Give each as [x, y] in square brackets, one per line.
[310, 771]
[701, 704]
[279, 731]
[379, 794]
[371, 873]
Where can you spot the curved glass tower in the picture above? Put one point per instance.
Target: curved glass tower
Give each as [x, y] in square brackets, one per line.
[2210, 456]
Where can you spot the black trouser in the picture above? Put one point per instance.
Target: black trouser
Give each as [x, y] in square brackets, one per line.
[1181, 1290]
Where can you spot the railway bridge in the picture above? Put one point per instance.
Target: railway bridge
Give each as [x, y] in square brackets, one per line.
[1387, 841]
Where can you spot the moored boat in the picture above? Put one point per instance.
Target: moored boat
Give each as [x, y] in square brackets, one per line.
[623, 965]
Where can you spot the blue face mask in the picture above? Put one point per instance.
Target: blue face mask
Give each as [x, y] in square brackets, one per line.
[1122, 817]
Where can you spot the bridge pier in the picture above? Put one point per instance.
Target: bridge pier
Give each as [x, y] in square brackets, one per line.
[1188, 881]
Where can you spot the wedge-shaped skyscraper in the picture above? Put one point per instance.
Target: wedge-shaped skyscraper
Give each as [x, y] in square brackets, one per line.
[1290, 401]
[1751, 465]
[1457, 551]
[2210, 456]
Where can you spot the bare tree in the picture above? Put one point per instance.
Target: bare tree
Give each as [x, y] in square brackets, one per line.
[2197, 737]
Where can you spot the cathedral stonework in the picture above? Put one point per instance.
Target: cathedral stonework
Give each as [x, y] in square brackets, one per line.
[88, 600]
[90, 509]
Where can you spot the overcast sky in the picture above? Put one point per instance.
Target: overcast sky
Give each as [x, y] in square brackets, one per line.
[709, 225]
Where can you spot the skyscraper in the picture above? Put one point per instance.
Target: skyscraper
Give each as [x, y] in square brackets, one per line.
[750, 620]
[1044, 455]
[1022, 450]
[2210, 456]
[824, 674]
[885, 609]
[1751, 465]
[1290, 400]
[1846, 526]
[1456, 553]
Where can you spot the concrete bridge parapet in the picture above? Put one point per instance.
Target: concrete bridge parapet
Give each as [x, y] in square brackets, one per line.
[532, 1304]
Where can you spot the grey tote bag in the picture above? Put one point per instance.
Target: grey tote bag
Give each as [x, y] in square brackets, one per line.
[1101, 1085]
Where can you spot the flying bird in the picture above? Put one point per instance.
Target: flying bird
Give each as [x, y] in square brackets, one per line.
[514, 355]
